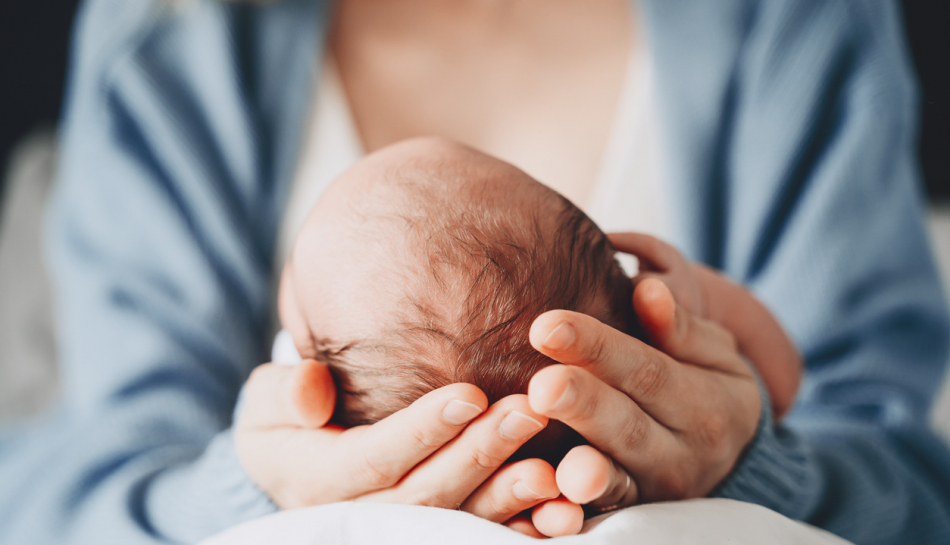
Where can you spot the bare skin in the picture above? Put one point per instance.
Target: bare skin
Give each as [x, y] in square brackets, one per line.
[709, 295]
[665, 425]
[533, 82]
[345, 280]
[536, 83]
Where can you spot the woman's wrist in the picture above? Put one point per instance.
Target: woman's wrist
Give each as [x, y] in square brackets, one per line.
[774, 470]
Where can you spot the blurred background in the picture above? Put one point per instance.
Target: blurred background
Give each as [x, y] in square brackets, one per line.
[34, 47]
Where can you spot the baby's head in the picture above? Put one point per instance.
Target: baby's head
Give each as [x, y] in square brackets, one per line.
[426, 263]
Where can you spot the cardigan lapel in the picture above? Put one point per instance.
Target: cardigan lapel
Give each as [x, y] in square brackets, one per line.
[289, 40]
[695, 46]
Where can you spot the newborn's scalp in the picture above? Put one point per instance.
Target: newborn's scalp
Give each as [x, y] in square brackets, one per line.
[442, 256]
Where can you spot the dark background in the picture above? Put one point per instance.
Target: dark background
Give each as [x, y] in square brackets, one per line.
[34, 37]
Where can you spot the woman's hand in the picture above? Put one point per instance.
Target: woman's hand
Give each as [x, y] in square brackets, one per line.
[665, 422]
[444, 450]
[705, 293]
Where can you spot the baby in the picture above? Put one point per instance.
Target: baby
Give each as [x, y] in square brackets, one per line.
[426, 263]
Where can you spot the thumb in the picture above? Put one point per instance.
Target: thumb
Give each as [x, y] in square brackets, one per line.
[681, 334]
[313, 393]
[280, 396]
[655, 308]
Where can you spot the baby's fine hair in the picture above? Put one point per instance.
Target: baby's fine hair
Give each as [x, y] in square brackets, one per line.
[483, 268]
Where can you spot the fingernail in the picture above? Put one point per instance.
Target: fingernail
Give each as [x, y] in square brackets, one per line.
[519, 426]
[524, 493]
[458, 412]
[559, 339]
[567, 398]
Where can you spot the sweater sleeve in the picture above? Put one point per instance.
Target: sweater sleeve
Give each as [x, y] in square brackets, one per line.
[160, 234]
[825, 224]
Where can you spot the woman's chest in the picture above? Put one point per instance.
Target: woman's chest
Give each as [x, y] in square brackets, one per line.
[534, 83]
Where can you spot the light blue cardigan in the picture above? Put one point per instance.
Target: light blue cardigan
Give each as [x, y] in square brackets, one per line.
[789, 131]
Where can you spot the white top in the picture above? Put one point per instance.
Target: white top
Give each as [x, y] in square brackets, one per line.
[627, 195]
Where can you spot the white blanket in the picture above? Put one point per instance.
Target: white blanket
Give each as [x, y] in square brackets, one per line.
[704, 521]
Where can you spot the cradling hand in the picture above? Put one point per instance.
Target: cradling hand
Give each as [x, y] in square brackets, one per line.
[447, 449]
[665, 422]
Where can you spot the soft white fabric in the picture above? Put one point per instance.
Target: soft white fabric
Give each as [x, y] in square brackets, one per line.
[283, 351]
[706, 522]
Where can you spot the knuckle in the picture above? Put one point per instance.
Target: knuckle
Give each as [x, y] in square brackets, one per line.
[648, 379]
[596, 350]
[634, 433]
[373, 476]
[425, 439]
[485, 460]
[713, 429]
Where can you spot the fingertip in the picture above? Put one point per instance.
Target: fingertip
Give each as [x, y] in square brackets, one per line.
[520, 422]
[551, 331]
[583, 475]
[313, 393]
[536, 481]
[459, 403]
[558, 517]
[467, 392]
[655, 307]
[549, 389]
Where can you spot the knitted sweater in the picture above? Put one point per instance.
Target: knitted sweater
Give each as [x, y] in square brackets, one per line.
[788, 133]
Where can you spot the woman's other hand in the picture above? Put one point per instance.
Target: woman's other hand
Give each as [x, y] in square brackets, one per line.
[707, 294]
[444, 450]
[665, 423]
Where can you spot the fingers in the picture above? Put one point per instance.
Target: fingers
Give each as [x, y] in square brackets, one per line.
[278, 396]
[558, 517]
[589, 484]
[513, 489]
[299, 467]
[648, 376]
[386, 451]
[586, 476]
[681, 334]
[449, 476]
[603, 415]
[652, 253]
